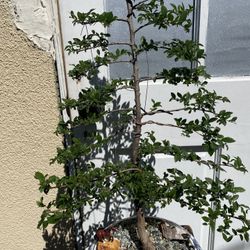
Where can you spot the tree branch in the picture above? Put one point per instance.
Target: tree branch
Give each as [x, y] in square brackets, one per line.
[148, 78]
[161, 124]
[142, 26]
[167, 125]
[119, 43]
[119, 110]
[140, 3]
[121, 61]
[157, 112]
[122, 171]
[170, 112]
[122, 20]
[106, 177]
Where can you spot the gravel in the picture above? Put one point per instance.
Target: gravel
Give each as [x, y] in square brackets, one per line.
[177, 237]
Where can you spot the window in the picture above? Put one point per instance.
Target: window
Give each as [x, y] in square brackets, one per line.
[151, 62]
[227, 43]
[228, 38]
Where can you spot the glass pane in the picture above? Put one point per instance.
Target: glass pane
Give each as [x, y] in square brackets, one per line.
[228, 38]
[151, 62]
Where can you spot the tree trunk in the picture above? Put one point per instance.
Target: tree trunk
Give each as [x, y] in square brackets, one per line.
[146, 242]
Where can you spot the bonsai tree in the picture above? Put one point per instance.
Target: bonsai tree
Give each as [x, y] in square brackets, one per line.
[135, 178]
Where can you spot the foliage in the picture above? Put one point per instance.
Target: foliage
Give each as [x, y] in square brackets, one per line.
[135, 179]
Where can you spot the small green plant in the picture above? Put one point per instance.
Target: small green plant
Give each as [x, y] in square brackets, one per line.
[135, 179]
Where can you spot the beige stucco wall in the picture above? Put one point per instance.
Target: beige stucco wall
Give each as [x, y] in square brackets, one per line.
[28, 117]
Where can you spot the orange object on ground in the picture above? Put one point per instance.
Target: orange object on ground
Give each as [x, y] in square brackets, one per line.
[109, 245]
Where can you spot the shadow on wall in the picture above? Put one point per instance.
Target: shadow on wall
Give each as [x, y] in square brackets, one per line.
[111, 126]
[117, 127]
[61, 237]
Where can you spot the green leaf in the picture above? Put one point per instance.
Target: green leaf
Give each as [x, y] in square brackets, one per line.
[228, 140]
[227, 238]
[205, 218]
[40, 176]
[246, 236]
[238, 190]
